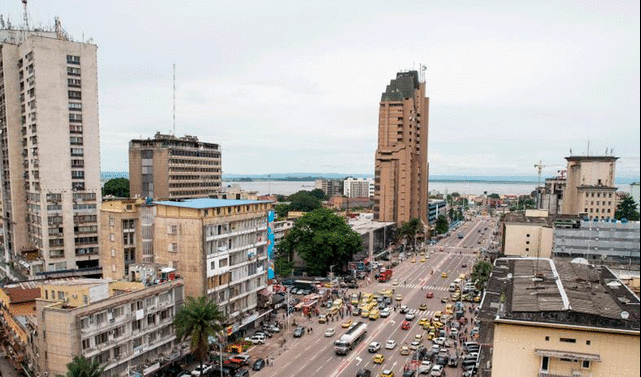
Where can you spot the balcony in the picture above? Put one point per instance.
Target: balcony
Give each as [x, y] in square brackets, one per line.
[576, 373]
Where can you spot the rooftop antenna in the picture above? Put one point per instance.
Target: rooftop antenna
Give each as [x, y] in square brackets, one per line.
[588, 147]
[25, 16]
[174, 115]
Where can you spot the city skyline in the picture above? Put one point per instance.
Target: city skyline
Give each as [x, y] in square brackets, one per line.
[296, 87]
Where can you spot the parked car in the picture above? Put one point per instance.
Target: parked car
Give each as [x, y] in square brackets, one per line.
[201, 372]
[242, 373]
[299, 331]
[259, 364]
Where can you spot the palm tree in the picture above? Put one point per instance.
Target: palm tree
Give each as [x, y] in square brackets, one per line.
[199, 319]
[81, 367]
[410, 230]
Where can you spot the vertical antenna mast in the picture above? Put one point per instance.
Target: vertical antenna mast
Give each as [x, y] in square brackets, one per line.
[25, 16]
[174, 115]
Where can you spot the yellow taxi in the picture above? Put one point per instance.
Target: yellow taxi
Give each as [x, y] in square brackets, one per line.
[387, 373]
[399, 297]
[462, 276]
[413, 260]
[422, 307]
[431, 335]
[387, 292]
[374, 314]
[429, 327]
[438, 315]
[365, 313]
[438, 325]
[449, 308]
[422, 260]
[424, 321]
[368, 297]
[378, 358]
[477, 299]
[347, 324]
[422, 253]
[444, 275]
[322, 318]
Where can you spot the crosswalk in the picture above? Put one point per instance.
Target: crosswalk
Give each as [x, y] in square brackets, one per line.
[417, 286]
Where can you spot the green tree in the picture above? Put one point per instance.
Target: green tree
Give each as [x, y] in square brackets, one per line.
[442, 225]
[481, 272]
[321, 239]
[283, 266]
[627, 209]
[409, 231]
[199, 319]
[494, 196]
[318, 194]
[118, 187]
[303, 201]
[81, 367]
[281, 210]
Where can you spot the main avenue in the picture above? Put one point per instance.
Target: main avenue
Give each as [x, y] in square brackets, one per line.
[427, 273]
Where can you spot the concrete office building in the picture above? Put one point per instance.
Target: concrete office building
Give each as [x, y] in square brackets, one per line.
[170, 167]
[358, 188]
[401, 167]
[124, 326]
[219, 247]
[552, 194]
[437, 207]
[50, 144]
[590, 190]
[330, 187]
[559, 319]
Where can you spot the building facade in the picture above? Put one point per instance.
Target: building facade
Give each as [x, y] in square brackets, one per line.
[50, 144]
[634, 193]
[124, 326]
[330, 187]
[590, 190]
[219, 247]
[358, 188]
[559, 319]
[401, 167]
[552, 194]
[170, 167]
[437, 207]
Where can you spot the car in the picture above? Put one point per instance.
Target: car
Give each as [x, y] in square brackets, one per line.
[374, 314]
[438, 324]
[184, 373]
[391, 344]
[330, 332]
[264, 334]
[347, 324]
[464, 265]
[410, 316]
[272, 328]
[477, 299]
[424, 321]
[437, 371]
[422, 260]
[259, 364]
[422, 307]
[387, 373]
[415, 344]
[444, 275]
[201, 372]
[395, 282]
[404, 309]
[240, 359]
[413, 260]
[409, 373]
[242, 373]
[404, 350]
[399, 297]
[374, 346]
[429, 295]
[445, 299]
[425, 367]
[363, 373]
[440, 341]
[385, 312]
[378, 358]
[405, 325]
[256, 339]
[299, 331]
[418, 337]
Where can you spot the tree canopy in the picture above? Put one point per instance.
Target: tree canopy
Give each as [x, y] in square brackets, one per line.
[81, 367]
[442, 225]
[118, 187]
[321, 239]
[303, 201]
[409, 230]
[198, 319]
[627, 209]
[481, 272]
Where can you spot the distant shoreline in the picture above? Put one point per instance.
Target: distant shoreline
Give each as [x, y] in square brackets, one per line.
[311, 179]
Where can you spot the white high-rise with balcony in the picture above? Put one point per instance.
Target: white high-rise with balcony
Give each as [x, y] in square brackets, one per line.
[50, 145]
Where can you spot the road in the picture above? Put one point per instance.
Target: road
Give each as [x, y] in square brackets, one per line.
[313, 355]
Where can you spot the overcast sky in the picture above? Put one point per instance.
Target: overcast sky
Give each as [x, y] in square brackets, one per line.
[294, 86]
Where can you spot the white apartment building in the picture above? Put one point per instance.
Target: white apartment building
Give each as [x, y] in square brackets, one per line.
[50, 145]
[358, 188]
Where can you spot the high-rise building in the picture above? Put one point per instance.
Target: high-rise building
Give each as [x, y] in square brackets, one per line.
[401, 170]
[358, 188]
[170, 167]
[590, 190]
[49, 139]
[330, 187]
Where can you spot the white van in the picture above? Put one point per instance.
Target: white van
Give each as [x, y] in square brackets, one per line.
[452, 287]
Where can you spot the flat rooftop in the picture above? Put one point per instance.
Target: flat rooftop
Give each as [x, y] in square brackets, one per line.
[559, 292]
[204, 203]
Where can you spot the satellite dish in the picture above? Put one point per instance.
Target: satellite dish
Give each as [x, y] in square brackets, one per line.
[625, 315]
[580, 261]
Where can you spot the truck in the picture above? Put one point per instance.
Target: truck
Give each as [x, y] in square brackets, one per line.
[350, 339]
[385, 276]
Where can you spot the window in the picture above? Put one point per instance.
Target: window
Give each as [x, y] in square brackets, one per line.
[74, 94]
[73, 117]
[73, 71]
[585, 364]
[567, 340]
[73, 59]
[547, 338]
[545, 363]
[212, 265]
[223, 262]
[73, 82]
[86, 343]
[587, 342]
[527, 235]
[173, 247]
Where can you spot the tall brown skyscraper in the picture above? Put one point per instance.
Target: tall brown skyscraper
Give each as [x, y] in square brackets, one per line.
[401, 171]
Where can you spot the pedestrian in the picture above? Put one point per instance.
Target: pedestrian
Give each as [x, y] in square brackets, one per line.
[267, 362]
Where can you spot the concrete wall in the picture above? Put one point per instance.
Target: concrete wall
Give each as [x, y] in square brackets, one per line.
[528, 239]
[514, 351]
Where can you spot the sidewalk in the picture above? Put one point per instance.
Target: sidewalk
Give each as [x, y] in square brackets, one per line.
[6, 369]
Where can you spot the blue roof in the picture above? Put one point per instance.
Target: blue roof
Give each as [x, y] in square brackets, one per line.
[203, 203]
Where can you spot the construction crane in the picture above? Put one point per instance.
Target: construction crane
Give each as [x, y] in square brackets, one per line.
[539, 167]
